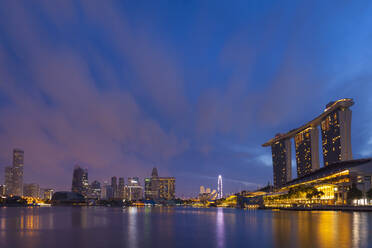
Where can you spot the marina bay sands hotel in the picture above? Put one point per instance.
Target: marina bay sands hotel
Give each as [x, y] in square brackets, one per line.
[334, 124]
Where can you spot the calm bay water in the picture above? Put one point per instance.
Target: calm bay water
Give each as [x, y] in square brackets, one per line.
[181, 227]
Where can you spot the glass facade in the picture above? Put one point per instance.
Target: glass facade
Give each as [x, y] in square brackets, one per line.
[281, 154]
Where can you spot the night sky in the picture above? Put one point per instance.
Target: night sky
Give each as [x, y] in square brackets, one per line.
[191, 87]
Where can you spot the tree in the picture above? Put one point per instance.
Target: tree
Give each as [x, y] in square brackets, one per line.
[354, 193]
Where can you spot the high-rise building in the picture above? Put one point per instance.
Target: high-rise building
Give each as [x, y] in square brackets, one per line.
[95, 190]
[148, 192]
[121, 186]
[18, 162]
[202, 190]
[282, 163]
[14, 174]
[106, 192]
[133, 191]
[336, 135]
[219, 187]
[8, 180]
[80, 181]
[159, 188]
[307, 151]
[2, 190]
[114, 186]
[31, 190]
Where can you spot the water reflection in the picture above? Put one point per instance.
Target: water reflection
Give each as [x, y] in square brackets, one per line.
[132, 228]
[320, 229]
[220, 225]
[181, 227]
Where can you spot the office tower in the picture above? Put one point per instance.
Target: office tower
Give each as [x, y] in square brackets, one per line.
[208, 190]
[219, 187]
[160, 187]
[282, 165]
[133, 191]
[148, 192]
[121, 186]
[31, 190]
[18, 162]
[202, 190]
[104, 191]
[336, 133]
[307, 151]
[114, 186]
[9, 180]
[80, 181]
[95, 190]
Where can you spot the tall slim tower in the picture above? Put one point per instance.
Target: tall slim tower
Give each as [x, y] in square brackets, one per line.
[219, 187]
[336, 134]
[114, 186]
[307, 151]
[18, 161]
[282, 162]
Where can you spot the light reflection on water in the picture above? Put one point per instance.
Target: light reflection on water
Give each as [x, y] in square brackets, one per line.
[181, 227]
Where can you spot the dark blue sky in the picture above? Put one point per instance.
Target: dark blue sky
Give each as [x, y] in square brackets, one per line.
[192, 87]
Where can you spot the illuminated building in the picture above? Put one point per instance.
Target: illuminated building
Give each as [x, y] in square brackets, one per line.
[307, 151]
[95, 190]
[334, 181]
[335, 124]
[48, 193]
[8, 180]
[219, 187]
[18, 162]
[31, 190]
[133, 191]
[80, 181]
[336, 134]
[282, 163]
[202, 190]
[114, 186]
[2, 190]
[121, 186]
[159, 188]
[14, 174]
[148, 192]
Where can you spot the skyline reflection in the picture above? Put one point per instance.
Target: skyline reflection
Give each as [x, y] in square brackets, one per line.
[181, 227]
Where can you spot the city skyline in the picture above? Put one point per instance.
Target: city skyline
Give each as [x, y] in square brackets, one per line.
[190, 90]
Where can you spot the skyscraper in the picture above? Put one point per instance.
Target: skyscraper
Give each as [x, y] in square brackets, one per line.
[114, 186]
[307, 151]
[80, 181]
[14, 174]
[336, 134]
[18, 161]
[219, 187]
[282, 163]
[157, 188]
[121, 186]
[95, 190]
[8, 180]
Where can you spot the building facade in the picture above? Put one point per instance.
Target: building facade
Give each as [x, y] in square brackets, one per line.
[282, 163]
[95, 190]
[31, 190]
[160, 188]
[121, 186]
[80, 181]
[336, 136]
[307, 151]
[114, 187]
[14, 174]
